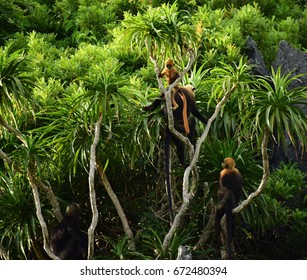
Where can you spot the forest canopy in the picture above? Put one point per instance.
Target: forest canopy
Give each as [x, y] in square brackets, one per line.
[68, 67]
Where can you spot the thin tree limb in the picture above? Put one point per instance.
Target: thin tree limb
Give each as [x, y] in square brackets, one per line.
[92, 193]
[265, 175]
[116, 204]
[3, 253]
[31, 178]
[47, 189]
[10, 129]
[206, 232]
[52, 199]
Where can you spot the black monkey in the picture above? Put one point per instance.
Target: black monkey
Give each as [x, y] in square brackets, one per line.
[229, 193]
[66, 240]
[184, 123]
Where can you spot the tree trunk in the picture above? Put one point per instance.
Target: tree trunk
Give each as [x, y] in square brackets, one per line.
[92, 193]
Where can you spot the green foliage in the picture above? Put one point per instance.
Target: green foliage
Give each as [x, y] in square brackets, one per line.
[93, 18]
[33, 153]
[275, 107]
[153, 238]
[65, 62]
[15, 85]
[227, 78]
[289, 29]
[159, 28]
[41, 18]
[287, 185]
[220, 38]
[285, 196]
[12, 19]
[18, 222]
[43, 55]
[120, 250]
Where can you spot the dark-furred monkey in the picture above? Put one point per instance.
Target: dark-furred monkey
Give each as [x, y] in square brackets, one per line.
[184, 123]
[66, 240]
[229, 193]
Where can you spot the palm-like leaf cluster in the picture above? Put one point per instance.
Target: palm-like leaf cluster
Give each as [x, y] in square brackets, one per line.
[19, 227]
[163, 28]
[277, 108]
[15, 84]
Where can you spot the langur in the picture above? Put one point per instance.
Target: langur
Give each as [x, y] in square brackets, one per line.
[66, 240]
[171, 74]
[229, 193]
[184, 123]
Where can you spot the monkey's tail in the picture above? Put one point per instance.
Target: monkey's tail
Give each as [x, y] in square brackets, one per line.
[167, 174]
[229, 227]
[185, 114]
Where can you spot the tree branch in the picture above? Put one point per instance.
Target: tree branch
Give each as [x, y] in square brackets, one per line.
[206, 232]
[47, 189]
[3, 253]
[188, 194]
[265, 175]
[31, 177]
[116, 204]
[10, 129]
[52, 199]
[92, 193]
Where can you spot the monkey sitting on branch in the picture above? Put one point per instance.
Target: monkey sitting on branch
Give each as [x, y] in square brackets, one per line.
[171, 74]
[67, 241]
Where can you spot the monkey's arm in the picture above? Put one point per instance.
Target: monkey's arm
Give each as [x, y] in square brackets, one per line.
[154, 104]
[198, 115]
[225, 196]
[176, 75]
[162, 74]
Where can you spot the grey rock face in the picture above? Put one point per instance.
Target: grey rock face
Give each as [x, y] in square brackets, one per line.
[290, 60]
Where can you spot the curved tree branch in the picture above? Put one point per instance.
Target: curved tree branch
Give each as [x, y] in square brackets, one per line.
[32, 181]
[92, 193]
[12, 130]
[116, 203]
[3, 253]
[188, 194]
[265, 175]
[47, 189]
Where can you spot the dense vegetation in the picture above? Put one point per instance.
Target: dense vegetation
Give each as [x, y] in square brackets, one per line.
[65, 62]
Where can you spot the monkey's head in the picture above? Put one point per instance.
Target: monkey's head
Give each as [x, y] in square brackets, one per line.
[73, 210]
[169, 64]
[228, 163]
[190, 88]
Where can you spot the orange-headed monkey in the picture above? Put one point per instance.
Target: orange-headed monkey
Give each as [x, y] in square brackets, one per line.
[171, 74]
[229, 193]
